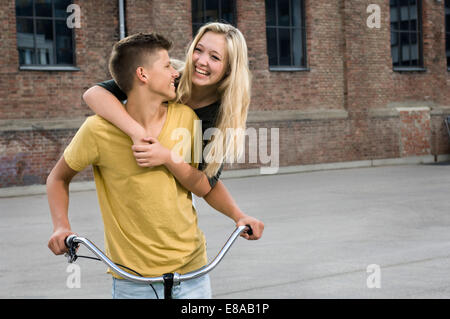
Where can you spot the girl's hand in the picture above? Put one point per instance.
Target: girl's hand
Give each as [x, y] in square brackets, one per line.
[150, 154]
[139, 136]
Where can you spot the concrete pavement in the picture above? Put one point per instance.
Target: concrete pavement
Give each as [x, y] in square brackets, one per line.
[324, 231]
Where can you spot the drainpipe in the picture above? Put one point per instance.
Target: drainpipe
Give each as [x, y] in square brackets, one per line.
[121, 19]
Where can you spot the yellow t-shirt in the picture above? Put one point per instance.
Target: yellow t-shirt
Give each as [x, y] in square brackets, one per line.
[149, 221]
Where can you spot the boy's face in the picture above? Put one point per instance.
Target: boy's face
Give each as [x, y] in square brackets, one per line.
[161, 75]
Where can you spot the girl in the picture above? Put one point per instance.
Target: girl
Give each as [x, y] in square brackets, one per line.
[215, 83]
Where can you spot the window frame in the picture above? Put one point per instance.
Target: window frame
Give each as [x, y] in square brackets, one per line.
[53, 19]
[277, 27]
[447, 34]
[419, 31]
[197, 25]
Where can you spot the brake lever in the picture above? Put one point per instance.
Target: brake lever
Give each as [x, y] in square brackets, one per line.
[71, 256]
[72, 252]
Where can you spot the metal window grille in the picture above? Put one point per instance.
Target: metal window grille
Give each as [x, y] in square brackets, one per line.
[204, 11]
[447, 32]
[43, 36]
[406, 34]
[286, 33]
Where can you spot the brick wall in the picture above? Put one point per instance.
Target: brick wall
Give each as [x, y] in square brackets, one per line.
[350, 105]
[45, 95]
[27, 157]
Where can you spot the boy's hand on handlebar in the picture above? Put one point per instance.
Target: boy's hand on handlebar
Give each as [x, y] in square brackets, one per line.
[256, 225]
[57, 243]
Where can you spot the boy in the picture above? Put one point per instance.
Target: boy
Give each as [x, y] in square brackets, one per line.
[149, 221]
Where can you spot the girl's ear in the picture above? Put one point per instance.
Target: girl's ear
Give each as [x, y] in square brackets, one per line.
[228, 71]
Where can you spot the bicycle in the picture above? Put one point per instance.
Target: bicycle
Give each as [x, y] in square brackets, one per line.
[168, 279]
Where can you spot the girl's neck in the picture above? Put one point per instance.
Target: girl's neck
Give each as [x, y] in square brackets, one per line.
[201, 97]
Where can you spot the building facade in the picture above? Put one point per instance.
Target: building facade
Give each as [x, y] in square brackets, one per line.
[341, 80]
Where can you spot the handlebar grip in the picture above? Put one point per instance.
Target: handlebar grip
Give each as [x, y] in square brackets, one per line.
[249, 230]
[69, 240]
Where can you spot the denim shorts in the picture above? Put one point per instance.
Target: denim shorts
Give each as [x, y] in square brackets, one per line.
[198, 288]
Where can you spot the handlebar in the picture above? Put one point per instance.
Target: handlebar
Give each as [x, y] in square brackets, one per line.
[73, 242]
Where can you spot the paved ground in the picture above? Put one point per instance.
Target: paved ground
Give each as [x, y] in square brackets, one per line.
[323, 230]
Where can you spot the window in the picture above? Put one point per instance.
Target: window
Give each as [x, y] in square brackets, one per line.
[204, 11]
[447, 32]
[286, 36]
[43, 38]
[406, 34]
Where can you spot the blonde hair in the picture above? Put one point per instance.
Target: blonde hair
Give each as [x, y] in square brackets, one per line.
[234, 89]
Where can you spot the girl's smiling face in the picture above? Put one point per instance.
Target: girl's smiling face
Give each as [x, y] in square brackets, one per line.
[209, 59]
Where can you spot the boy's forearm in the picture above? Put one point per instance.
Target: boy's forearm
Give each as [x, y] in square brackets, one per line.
[58, 199]
[58, 193]
[191, 178]
[220, 199]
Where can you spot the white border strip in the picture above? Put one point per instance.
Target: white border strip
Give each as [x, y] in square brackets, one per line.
[413, 109]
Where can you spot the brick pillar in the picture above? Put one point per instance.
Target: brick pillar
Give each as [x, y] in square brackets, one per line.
[415, 131]
[171, 18]
[367, 69]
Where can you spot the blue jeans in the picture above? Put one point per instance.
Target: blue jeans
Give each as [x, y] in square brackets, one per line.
[198, 288]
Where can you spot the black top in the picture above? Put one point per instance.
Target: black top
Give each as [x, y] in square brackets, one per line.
[207, 114]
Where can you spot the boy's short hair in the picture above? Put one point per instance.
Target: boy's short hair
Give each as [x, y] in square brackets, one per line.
[130, 53]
